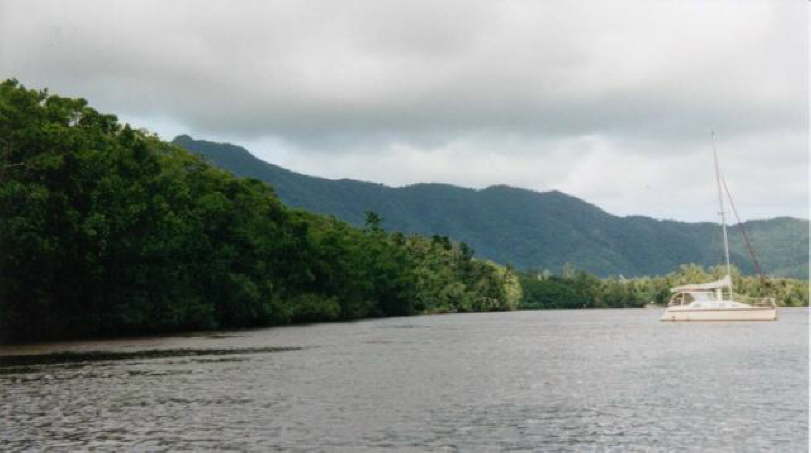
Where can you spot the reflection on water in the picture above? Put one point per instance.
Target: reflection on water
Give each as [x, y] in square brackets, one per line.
[550, 380]
[103, 356]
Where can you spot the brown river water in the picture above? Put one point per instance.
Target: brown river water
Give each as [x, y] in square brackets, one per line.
[580, 380]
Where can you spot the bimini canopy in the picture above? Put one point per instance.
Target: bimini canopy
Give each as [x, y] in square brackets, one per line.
[725, 282]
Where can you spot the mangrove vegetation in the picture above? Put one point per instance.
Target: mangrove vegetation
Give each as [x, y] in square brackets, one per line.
[108, 230]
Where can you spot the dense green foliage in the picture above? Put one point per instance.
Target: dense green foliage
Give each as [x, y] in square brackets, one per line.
[578, 289]
[108, 230]
[525, 228]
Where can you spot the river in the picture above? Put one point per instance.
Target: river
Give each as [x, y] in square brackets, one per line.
[579, 380]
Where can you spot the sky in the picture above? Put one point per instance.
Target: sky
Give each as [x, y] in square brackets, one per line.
[613, 102]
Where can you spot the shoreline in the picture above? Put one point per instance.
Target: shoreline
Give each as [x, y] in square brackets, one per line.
[147, 342]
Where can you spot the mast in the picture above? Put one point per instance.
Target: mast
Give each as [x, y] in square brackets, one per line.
[721, 202]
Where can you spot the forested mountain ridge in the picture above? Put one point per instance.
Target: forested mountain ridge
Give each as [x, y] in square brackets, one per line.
[107, 230]
[525, 228]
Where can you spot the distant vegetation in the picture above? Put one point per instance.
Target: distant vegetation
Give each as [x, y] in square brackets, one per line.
[529, 229]
[106, 230]
[578, 289]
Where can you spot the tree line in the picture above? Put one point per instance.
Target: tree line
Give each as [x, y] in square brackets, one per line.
[574, 288]
[108, 230]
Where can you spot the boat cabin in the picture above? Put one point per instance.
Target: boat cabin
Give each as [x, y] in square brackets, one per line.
[713, 295]
[699, 294]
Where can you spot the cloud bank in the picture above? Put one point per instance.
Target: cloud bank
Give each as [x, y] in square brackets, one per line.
[612, 102]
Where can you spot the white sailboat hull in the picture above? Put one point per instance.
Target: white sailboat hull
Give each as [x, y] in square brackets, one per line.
[678, 313]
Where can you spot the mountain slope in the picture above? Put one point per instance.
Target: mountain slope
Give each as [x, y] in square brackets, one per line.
[525, 228]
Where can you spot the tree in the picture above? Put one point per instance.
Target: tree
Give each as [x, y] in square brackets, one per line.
[373, 222]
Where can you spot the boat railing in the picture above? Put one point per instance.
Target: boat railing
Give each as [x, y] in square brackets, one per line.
[755, 301]
[686, 298]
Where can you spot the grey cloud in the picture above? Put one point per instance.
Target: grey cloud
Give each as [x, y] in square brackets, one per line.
[335, 81]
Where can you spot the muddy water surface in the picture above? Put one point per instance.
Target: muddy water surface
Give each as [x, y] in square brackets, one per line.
[546, 380]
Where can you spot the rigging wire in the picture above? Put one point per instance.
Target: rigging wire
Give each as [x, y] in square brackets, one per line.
[743, 231]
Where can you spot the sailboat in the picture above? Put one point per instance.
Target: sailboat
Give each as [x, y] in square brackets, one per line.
[716, 301]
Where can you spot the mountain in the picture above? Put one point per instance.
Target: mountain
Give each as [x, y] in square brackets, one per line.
[525, 228]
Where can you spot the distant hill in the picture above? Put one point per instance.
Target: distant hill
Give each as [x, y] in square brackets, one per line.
[525, 228]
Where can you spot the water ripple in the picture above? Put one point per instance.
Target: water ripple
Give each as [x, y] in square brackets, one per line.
[597, 380]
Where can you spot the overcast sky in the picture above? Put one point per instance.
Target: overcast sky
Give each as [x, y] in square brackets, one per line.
[612, 102]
